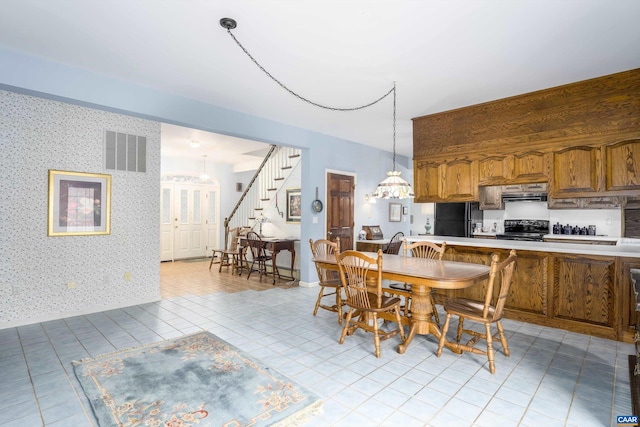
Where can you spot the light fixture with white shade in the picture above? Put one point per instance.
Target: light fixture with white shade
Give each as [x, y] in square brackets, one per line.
[194, 143]
[204, 176]
[394, 187]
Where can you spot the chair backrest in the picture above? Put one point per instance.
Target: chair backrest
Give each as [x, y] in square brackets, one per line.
[395, 243]
[325, 247]
[354, 268]
[255, 244]
[428, 250]
[232, 238]
[506, 268]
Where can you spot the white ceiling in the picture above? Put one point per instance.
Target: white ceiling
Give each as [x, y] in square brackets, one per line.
[442, 54]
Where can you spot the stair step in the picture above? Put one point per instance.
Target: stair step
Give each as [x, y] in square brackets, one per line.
[272, 189]
[278, 179]
[291, 156]
[257, 209]
[285, 167]
[265, 200]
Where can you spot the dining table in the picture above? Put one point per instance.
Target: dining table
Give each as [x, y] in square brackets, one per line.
[423, 275]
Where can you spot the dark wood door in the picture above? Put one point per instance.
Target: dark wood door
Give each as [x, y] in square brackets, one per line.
[340, 209]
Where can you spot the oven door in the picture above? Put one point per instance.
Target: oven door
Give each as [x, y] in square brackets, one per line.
[526, 237]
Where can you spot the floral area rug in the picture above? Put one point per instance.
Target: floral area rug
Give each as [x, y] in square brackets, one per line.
[195, 380]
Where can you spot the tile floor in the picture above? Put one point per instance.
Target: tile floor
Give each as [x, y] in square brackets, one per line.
[552, 378]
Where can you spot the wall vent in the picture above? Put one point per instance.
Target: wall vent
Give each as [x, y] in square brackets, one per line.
[125, 152]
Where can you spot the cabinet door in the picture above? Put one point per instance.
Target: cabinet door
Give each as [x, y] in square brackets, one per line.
[427, 182]
[529, 290]
[576, 170]
[492, 170]
[459, 180]
[573, 203]
[529, 166]
[601, 202]
[623, 165]
[583, 289]
[490, 198]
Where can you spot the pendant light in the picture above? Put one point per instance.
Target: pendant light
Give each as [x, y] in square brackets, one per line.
[204, 176]
[393, 186]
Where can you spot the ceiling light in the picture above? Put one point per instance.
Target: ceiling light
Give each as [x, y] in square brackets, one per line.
[194, 143]
[204, 176]
[394, 187]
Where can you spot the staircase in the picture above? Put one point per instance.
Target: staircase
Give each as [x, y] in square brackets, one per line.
[263, 188]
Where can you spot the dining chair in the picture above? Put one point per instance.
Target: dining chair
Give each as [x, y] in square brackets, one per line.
[421, 249]
[365, 297]
[488, 312]
[231, 255]
[259, 256]
[329, 280]
[394, 244]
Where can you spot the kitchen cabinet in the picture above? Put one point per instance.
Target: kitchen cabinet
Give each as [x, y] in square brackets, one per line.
[427, 182]
[575, 292]
[623, 166]
[460, 181]
[490, 198]
[452, 181]
[576, 171]
[584, 289]
[586, 203]
[493, 170]
[530, 166]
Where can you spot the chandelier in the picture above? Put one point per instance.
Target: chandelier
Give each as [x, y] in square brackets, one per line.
[392, 187]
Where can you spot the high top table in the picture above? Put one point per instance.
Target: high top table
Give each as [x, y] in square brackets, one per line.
[423, 275]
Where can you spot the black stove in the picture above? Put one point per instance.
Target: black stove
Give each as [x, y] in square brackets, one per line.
[532, 230]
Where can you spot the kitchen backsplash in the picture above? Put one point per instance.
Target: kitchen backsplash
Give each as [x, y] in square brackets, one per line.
[607, 221]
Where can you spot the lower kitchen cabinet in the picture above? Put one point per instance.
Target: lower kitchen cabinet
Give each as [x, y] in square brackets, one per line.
[580, 293]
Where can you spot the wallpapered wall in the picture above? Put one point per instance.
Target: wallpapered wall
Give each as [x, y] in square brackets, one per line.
[37, 135]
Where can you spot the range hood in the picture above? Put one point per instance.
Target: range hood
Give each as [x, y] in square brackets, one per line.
[524, 197]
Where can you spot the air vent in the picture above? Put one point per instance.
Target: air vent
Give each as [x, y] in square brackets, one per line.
[125, 152]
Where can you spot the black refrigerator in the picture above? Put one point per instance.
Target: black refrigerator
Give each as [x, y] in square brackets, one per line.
[456, 219]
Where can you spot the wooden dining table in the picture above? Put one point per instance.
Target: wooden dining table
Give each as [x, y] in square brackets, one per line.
[423, 275]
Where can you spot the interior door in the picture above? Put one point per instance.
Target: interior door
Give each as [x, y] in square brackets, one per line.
[340, 209]
[166, 222]
[189, 237]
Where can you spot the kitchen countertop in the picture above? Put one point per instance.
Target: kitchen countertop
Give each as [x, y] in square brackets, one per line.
[578, 237]
[629, 249]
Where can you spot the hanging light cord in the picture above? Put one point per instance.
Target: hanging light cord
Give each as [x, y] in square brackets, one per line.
[283, 86]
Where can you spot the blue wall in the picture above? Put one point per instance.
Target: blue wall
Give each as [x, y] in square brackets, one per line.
[39, 77]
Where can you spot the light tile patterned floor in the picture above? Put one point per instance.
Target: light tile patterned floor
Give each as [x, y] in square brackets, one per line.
[552, 378]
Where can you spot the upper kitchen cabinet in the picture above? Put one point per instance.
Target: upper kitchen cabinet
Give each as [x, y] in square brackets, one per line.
[623, 166]
[576, 171]
[582, 138]
[454, 181]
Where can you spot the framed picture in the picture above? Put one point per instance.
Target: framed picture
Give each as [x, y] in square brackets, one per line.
[294, 205]
[395, 210]
[405, 210]
[79, 203]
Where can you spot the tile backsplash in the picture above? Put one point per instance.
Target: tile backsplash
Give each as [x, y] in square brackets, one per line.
[607, 221]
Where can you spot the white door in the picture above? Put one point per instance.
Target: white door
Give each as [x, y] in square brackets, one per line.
[212, 220]
[166, 221]
[189, 237]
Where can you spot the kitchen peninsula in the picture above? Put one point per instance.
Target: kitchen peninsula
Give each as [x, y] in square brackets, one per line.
[583, 288]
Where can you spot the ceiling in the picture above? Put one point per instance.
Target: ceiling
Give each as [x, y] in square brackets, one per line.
[442, 54]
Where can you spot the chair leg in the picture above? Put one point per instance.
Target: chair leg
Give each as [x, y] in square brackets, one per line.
[213, 255]
[460, 329]
[223, 259]
[490, 355]
[376, 334]
[320, 295]
[345, 327]
[399, 320]
[436, 316]
[503, 339]
[251, 269]
[339, 304]
[445, 328]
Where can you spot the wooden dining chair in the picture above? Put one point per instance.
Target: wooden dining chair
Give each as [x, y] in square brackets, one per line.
[259, 256]
[421, 249]
[366, 296]
[394, 244]
[488, 312]
[329, 280]
[231, 255]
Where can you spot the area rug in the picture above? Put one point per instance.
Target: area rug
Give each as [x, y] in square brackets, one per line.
[194, 380]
